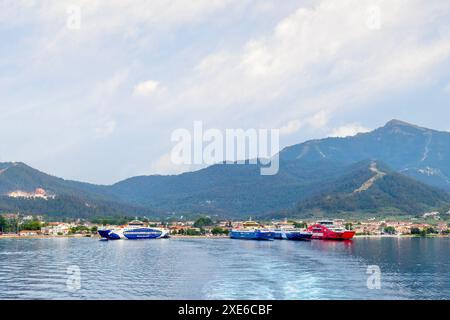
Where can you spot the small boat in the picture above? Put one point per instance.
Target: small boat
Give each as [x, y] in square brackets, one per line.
[133, 231]
[328, 230]
[252, 231]
[292, 234]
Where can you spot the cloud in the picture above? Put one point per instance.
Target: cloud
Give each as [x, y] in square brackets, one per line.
[146, 88]
[291, 127]
[100, 17]
[331, 55]
[164, 165]
[348, 130]
[300, 66]
[318, 120]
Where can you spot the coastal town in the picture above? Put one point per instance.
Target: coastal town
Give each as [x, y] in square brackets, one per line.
[14, 225]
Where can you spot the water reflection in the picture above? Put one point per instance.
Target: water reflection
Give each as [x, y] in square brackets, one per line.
[224, 269]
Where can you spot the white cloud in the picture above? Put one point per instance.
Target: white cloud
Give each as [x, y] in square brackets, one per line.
[291, 127]
[164, 165]
[348, 130]
[318, 120]
[146, 88]
[100, 17]
[294, 65]
[332, 55]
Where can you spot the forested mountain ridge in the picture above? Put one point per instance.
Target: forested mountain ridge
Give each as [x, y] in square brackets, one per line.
[399, 168]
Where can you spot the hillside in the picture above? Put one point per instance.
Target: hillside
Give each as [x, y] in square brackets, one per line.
[396, 168]
[227, 189]
[421, 153]
[62, 197]
[371, 187]
[74, 207]
[18, 176]
[407, 149]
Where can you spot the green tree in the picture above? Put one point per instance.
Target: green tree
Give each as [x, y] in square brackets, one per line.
[192, 232]
[349, 226]
[203, 222]
[415, 230]
[219, 230]
[31, 225]
[3, 224]
[389, 230]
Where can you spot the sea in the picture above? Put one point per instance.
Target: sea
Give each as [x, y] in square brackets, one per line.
[189, 268]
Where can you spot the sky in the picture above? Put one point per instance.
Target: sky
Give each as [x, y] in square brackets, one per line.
[91, 90]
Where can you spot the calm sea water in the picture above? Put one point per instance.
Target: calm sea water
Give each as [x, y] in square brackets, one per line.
[411, 268]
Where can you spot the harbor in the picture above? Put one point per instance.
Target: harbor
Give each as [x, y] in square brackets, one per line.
[199, 268]
[35, 226]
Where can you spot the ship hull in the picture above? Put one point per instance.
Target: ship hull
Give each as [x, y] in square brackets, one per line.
[292, 235]
[104, 233]
[298, 236]
[348, 235]
[320, 232]
[252, 235]
[278, 235]
[144, 234]
[133, 234]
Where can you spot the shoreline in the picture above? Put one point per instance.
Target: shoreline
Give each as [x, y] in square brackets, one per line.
[400, 236]
[79, 236]
[14, 236]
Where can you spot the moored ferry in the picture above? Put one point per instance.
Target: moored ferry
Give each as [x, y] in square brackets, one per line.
[328, 230]
[252, 231]
[292, 234]
[133, 231]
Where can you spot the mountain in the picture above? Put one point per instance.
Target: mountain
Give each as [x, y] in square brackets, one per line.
[421, 153]
[74, 207]
[18, 176]
[371, 187]
[315, 176]
[305, 169]
[24, 189]
[227, 189]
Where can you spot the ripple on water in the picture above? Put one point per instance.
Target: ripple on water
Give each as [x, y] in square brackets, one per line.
[223, 269]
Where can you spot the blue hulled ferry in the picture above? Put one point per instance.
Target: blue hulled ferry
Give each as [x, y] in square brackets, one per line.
[252, 231]
[292, 234]
[133, 231]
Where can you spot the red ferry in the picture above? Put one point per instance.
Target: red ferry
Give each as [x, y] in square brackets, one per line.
[328, 230]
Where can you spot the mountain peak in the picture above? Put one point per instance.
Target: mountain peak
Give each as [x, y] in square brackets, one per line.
[396, 123]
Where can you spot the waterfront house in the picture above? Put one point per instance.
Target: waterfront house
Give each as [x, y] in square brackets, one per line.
[29, 233]
[56, 228]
